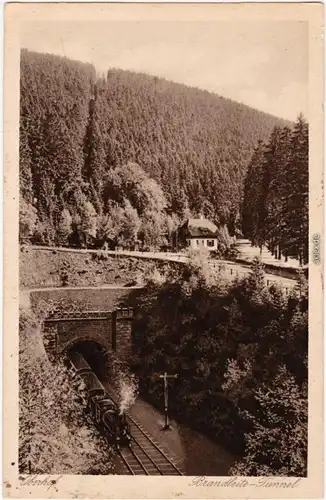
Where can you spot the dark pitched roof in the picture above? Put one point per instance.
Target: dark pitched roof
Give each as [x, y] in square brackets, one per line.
[201, 228]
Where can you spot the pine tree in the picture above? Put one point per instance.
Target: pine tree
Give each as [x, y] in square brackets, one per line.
[104, 229]
[88, 224]
[277, 195]
[297, 209]
[275, 204]
[27, 219]
[54, 108]
[96, 156]
[151, 231]
[25, 159]
[253, 197]
[130, 227]
[65, 227]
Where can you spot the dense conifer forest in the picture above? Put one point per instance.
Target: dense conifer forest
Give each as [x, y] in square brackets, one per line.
[124, 158]
[275, 206]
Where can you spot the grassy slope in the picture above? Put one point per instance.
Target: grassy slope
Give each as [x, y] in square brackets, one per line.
[44, 268]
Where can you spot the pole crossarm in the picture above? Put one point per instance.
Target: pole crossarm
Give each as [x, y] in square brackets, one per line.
[165, 377]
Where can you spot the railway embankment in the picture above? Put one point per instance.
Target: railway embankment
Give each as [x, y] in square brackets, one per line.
[103, 298]
[42, 267]
[52, 267]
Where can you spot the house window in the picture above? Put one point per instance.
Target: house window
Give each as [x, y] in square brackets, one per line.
[197, 242]
[210, 243]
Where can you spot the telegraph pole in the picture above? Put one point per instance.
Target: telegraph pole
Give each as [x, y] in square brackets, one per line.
[165, 377]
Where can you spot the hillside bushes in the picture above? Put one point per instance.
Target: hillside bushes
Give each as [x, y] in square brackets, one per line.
[55, 435]
[241, 356]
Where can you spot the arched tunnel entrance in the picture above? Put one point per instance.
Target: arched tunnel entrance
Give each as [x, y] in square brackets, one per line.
[96, 356]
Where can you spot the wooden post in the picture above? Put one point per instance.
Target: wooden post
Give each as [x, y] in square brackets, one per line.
[114, 330]
[166, 401]
[29, 433]
[166, 398]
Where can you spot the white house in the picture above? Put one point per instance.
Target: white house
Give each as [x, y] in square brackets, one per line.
[201, 232]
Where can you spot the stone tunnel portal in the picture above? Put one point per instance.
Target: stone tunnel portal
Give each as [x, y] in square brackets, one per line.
[96, 356]
[111, 330]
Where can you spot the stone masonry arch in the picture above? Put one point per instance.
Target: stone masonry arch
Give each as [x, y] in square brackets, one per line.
[79, 339]
[95, 353]
[110, 329]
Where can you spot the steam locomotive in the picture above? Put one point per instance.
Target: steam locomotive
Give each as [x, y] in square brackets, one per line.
[103, 409]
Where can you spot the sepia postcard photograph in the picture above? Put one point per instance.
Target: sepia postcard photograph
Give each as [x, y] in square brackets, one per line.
[163, 250]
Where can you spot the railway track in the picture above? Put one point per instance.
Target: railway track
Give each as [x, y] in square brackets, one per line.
[145, 457]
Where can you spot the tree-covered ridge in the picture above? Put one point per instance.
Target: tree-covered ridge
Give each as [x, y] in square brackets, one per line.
[195, 144]
[78, 131]
[275, 207]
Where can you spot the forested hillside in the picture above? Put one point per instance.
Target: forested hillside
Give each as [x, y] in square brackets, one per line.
[239, 351]
[275, 207]
[126, 157]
